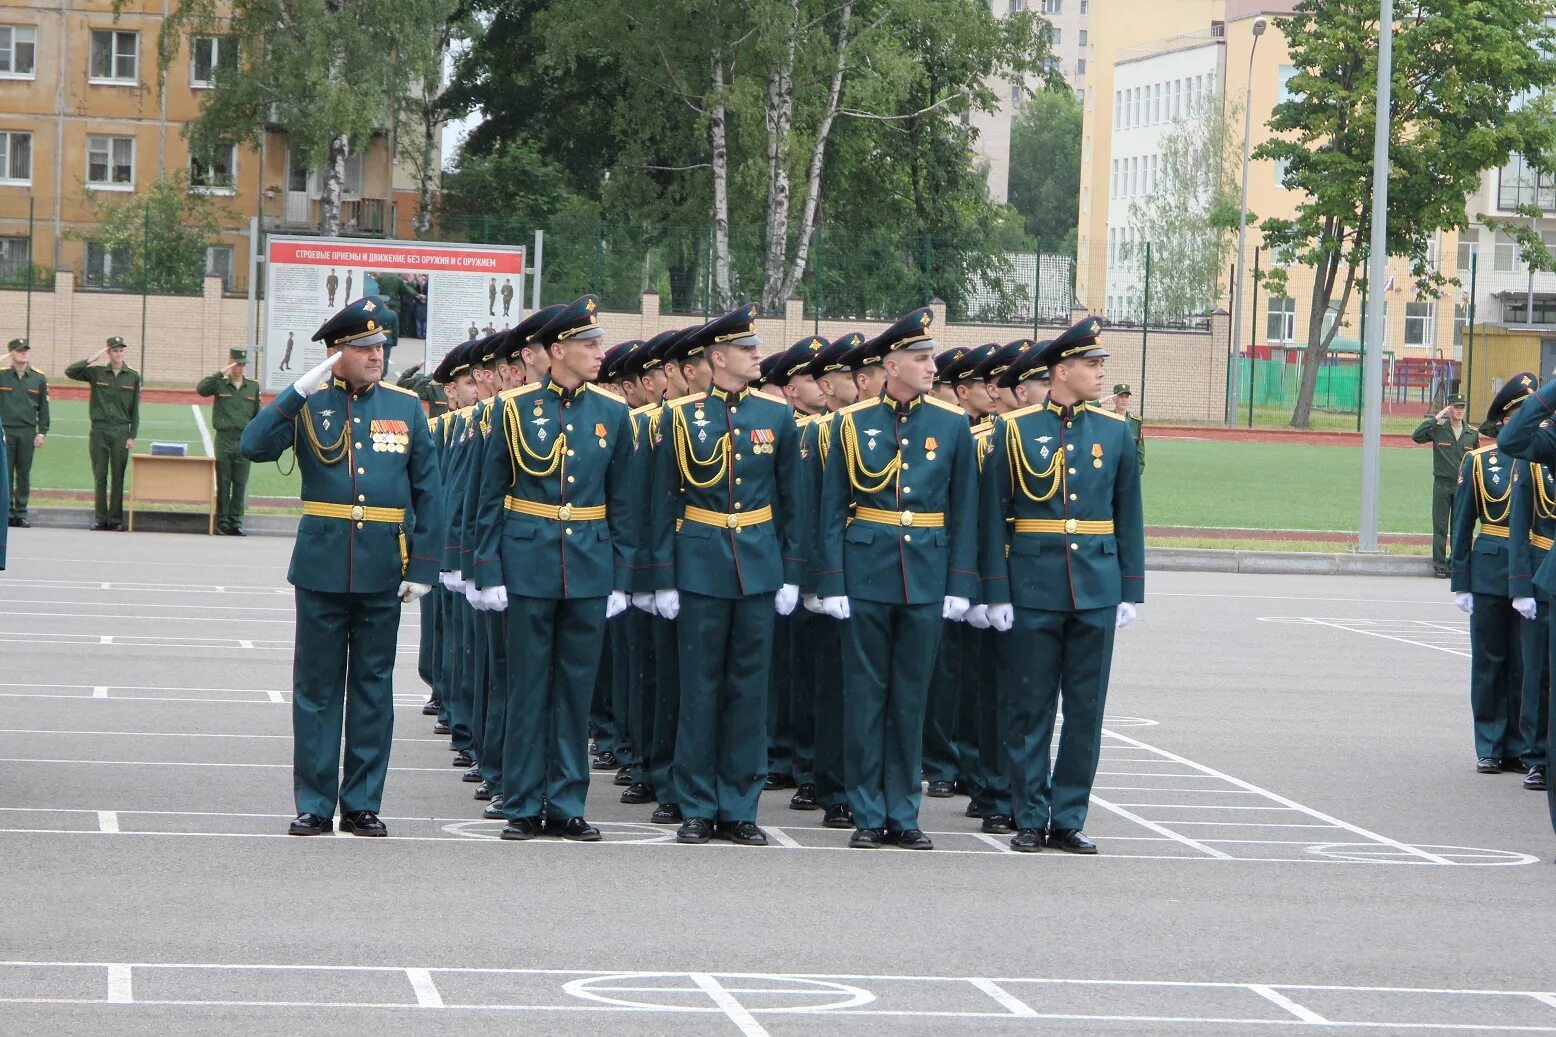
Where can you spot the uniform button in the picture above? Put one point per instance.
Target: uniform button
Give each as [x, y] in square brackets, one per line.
[1069, 424]
[1069, 446]
[359, 525]
[1072, 496]
[737, 505]
[569, 427]
[1074, 547]
[902, 420]
[361, 496]
[737, 482]
[357, 445]
[570, 454]
[908, 537]
[570, 479]
[568, 530]
[357, 420]
[904, 442]
[361, 471]
[1072, 471]
[737, 457]
[904, 466]
[907, 489]
[734, 410]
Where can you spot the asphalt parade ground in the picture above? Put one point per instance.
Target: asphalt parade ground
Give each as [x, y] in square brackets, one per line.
[1293, 839]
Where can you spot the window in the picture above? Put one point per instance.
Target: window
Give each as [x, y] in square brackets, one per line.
[1113, 180]
[1118, 107]
[207, 54]
[1083, 38]
[115, 56]
[216, 175]
[1017, 6]
[1281, 322]
[1177, 98]
[1282, 168]
[1084, 5]
[353, 182]
[15, 256]
[18, 51]
[1058, 36]
[218, 263]
[1469, 245]
[1080, 70]
[1506, 255]
[1053, 6]
[1418, 323]
[110, 162]
[1015, 95]
[1283, 93]
[1461, 320]
[15, 158]
[1517, 184]
[105, 268]
[1080, 95]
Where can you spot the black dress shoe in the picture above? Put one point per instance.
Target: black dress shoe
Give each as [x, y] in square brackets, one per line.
[100, 526]
[21, 523]
[432, 707]
[1534, 781]
[440, 728]
[574, 828]
[939, 790]
[236, 531]
[912, 839]
[637, 792]
[667, 814]
[311, 824]
[362, 822]
[973, 810]
[867, 838]
[838, 816]
[1071, 840]
[694, 830]
[1488, 765]
[997, 824]
[462, 758]
[745, 833]
[483, 791]
[606, 761]
[623, 777]
[472, 773]
[961, 788]
[521, 829]
[1028, 840]
[776, 781]
[1512, 763]
[493, 811]
[804, 797]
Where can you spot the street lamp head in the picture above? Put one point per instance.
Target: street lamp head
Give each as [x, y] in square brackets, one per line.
[1259, 25]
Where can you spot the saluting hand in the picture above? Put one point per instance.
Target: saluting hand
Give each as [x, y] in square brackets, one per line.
[316, 379]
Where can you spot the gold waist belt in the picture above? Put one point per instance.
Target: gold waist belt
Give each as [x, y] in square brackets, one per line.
[702, 516]
[1491, 529]
[1069, 527]
[353, 512]
[556, 512]
[1543, 543]
[882, 517]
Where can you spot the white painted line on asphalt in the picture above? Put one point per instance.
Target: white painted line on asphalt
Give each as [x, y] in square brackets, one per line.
[1192, 844]
[189, 763]
[427, 995]
[180, 734]
[249, 644]
[107, 821]
[110, 614]
[1246, 824]
[274, 696]
[99, 692]
[1545, 999]
[1354, 627]
[120, 991]
[729, 1005]
[169, 605]
[104, 639]
[401, 702]
[154, 588]
[782, 838]
[1002, 845]
[205, 432]
[1270, 994]
[1012, 1004]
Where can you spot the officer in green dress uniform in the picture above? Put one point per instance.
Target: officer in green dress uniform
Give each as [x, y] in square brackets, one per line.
[24, 414]
[1063, 558]
[1531, 525]
[426, 387]
[1479, 540]
[555, 547]
[723, 546]
[236, 401]
[366, 459]
[898, 541]
[1123, 396]
[115, 415]
[1451, 438]
[5, 497]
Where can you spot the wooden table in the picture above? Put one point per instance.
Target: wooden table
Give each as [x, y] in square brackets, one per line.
[156, 479]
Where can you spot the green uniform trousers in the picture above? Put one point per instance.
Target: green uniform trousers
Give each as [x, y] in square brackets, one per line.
[109, 458]
[1046, 655]
[480, 678]
[802, 697]
[780, 726]
[642, 690]
[618, 632]
[965, 734]
[888, 653]
[945, 688]
[232, 481]
[1442, 519]
[1535, 701]
[1495, 678]
[659, 771]
[495, 714]
[343, 664]
[427, 631]
[602, 721]
[725, 647]
[826, 647]
[461, 680]
[1550, 714]
[18, 444]
[554, 648]
[442, 665]
[983, 666]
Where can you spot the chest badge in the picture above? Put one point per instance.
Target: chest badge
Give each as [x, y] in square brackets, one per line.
[930, 446]
[326, 415]
[872, 433]
[1096, 455]
[599, 431]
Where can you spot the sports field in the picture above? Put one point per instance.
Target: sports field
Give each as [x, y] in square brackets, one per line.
[1188, 482]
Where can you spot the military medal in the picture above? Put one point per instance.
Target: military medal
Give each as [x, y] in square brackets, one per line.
[1096, 453]
[929, 448]
[599, 430]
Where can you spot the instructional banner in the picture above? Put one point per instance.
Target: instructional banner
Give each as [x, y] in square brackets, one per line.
[442, 294]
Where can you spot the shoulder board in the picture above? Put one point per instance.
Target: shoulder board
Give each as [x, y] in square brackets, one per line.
[1092, 408]
[527, 387]
[1022, 412]
[465, 412]
[647, 408]
[861, 405]
[943, 405]
[802, 420]
[984, 427]
[1482, 449]
[398, 389]
[688, 398]
[591, 387]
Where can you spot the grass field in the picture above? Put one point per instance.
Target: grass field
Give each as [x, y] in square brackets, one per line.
[1187, 482]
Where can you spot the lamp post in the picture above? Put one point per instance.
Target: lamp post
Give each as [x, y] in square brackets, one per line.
[1377, 263]
[1259, 25]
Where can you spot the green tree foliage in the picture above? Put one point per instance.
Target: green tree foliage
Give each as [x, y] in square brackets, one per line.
[1045, 169]
[1459, 69]
[157, 240]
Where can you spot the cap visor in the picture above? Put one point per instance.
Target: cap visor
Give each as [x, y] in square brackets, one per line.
[362, 343]
[747, 340]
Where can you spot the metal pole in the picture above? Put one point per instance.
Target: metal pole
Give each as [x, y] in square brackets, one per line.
[540, 241]
[1253, 324]
[31, 243]
[1372, 371]
[1145, 325]
[1242, 235]
[1361, 398]
[251, 329]
[1037, 290]
[145, 280]
[1469, 331]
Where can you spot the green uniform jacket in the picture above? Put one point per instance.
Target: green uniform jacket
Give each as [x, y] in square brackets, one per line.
[1484, 497]
[1448, 450]
[115, 400]
[458, 457]
[647, 440]
[24, 401]
[1055, 464]
[1531, 526]
[731, 454]
[235, 405]
[815, 438]
[371, 449]
[1137, 433]
[554, 448]
[900, 459]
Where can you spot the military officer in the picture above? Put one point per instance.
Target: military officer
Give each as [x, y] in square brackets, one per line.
[898, 543]
[723, 547]
[869, 375]
[1451, 438]
[1479, 539]
[24, 414]
[426, 387]
[1062, 555]
[1123, 396]
[1531, 525]
[115, 420]
[236, 401]
[365, 457]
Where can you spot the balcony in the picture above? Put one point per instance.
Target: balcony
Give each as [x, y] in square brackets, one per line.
[359, 217]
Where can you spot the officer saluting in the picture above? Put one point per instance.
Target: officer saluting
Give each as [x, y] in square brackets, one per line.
[236, 401]
[1451, 438]
[1062, 552]
[366, 457]
[24, 413]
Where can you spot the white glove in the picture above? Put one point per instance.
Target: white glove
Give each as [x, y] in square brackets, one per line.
[445, 578]
[1525, 607]
[836, 607]
[1126, 615]
[787, 597]
[978, 617]
[615, 604]
[314, 380]
[495, 599]
[813, 603]
[644, 601]
[411, 591]
[668, 603]
[1001, 617]
[1465, 602]
[955, 609]
[456, 582]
